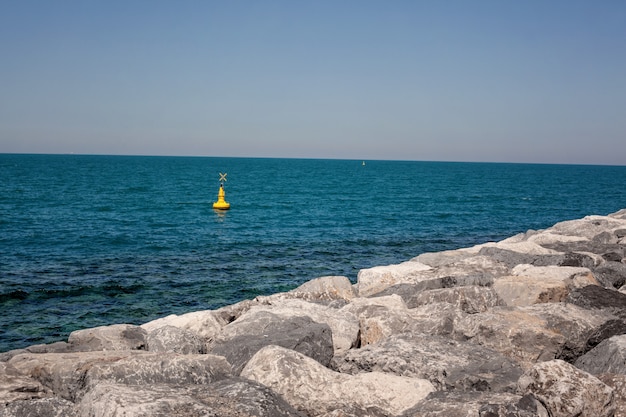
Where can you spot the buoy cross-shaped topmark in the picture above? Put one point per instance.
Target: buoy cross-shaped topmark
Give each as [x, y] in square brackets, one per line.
[221, 203]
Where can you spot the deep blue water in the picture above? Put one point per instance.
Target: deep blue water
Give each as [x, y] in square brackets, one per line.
[95, 240]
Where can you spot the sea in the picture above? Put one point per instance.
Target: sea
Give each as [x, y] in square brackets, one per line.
[92, 240]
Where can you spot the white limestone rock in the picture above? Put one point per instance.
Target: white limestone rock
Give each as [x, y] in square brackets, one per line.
[114, 337]
[204, 323]
[374, 280]
[530, 284]
[315, 389]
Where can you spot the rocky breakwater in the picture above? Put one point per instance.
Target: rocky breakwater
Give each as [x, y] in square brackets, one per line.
[534, 325]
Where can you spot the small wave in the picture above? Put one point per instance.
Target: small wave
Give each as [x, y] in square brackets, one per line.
[109, 289]
[13, 295]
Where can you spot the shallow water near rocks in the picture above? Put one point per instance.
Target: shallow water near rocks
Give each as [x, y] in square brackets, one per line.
[96, 240]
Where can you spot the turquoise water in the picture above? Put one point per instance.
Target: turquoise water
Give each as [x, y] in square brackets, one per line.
[95, 240]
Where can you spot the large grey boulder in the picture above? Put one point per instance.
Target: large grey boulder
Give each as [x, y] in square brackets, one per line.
[582, 329]
[316, 390]
[594, 297]
[411, 277]
[567, 391]
[70, 375]
[343, 324]
[609, 357]
[175, 340]
[582, 260]
[237, 398]
[512, 254]
[516, 333]
[387, 309]
[447, 364]
[158, 368]
[114, 337]
[536, 333]
[241, 339]
[382, 317]
[611, 274]
[41, 407]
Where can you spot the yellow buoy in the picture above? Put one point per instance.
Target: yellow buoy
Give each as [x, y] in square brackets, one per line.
[221, 204]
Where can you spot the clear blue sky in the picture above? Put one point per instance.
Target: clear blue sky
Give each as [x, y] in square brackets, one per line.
[508, 81]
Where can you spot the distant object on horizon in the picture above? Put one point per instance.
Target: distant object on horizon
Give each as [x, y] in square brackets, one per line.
[221, 203]
[363, 163]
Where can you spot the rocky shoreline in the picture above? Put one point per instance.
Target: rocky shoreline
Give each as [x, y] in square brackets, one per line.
[534, 325]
